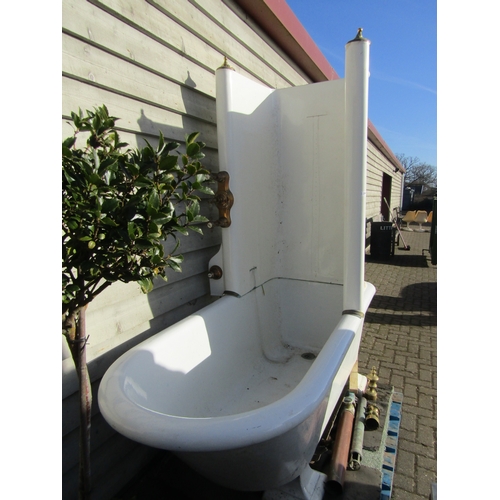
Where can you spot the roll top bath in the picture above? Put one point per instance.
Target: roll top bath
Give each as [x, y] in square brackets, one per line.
[243, 389]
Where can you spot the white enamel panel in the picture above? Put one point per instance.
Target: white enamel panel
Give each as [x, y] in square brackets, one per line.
[284, 151]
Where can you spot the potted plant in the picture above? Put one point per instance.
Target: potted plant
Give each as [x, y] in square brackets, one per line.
[119, 205]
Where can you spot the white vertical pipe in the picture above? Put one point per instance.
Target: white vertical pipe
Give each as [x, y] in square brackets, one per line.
[224, 105]
[356, 112]
[223, 95]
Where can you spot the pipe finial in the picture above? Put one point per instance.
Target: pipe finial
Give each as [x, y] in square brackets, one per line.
[225, 64]
[359, 37]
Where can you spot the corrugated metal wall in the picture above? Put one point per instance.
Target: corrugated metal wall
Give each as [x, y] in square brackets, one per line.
[152, 63]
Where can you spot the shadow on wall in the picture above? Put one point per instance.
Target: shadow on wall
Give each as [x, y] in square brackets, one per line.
[417, 305]
[192, 284]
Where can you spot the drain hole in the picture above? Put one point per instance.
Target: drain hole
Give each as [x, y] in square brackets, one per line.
[308, 355]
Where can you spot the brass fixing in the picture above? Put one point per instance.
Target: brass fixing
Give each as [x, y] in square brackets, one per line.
[215, 273]
[371, 392]
[223, 200]
[372, 417]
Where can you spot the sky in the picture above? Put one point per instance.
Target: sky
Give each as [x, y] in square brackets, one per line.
[402, 100]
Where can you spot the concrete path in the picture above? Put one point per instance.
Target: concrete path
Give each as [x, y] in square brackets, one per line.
[400, 337]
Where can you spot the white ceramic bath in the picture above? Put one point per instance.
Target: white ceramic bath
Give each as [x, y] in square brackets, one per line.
[227, 389]
[232, 390]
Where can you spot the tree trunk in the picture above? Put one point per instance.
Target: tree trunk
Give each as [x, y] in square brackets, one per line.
[85, 408]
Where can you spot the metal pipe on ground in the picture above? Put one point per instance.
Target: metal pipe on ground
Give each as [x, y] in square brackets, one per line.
[356, 454]
[340, 453]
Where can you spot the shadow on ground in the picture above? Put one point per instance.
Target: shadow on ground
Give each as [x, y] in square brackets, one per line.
[401, 260]
[418, 300]
[167, 478]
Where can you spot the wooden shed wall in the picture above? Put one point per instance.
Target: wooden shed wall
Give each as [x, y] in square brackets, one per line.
[379, 164]
[152, 63]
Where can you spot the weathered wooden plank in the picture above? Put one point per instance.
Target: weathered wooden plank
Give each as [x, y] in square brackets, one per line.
[132, 320]
[378, 164]
[105, 30]
[87, 62]
[194, 263]
[156, 25]
[103, 460]
[126, 468]
[69, 377]
[103, 324]
[233, 24]
[118, 346]
[100, 432]
[71, 409]
[135, 117]
[179, 38]
[121, 474]
[211, 160]
[222, 40]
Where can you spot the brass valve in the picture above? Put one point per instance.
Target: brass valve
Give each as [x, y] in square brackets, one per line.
[223, 200]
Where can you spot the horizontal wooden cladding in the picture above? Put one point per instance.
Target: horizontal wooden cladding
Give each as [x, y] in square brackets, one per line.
[230, 35]
[187, 30]
[135, 116]
[107, 474]
[133, 309]
[377, 164]
[100, 432]
[133, 319]
[118, 346]
[88, 63]
[277, 19]
[101, 29]
[138, 140]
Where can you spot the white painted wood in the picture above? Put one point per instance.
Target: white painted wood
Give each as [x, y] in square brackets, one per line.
[255, 42]
[89, 63]
[148, 19]
[378, 164]
[210, 161]
[100, 28]
[224, 41]
[119, 321]
[134, 116]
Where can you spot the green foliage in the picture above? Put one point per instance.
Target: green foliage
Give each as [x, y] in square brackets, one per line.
[119, 205]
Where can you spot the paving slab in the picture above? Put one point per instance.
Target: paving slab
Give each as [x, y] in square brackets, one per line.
[400, 340]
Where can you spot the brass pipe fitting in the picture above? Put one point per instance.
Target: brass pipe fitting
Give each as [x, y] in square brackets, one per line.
[371, 392]
[223, 200]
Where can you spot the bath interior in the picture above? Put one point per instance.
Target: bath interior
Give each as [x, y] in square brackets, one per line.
[276, 321]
